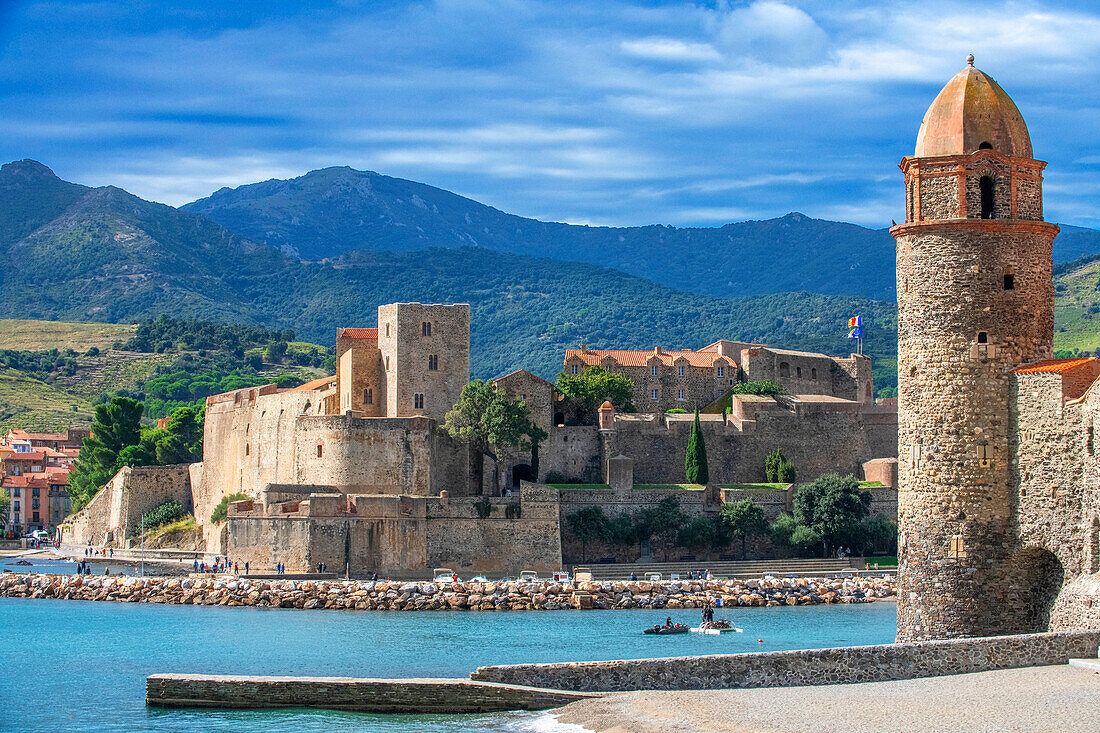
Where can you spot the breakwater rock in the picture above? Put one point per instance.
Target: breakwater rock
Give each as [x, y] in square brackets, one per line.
[428, 596]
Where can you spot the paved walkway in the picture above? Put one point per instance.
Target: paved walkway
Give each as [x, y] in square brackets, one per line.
[1058, 698]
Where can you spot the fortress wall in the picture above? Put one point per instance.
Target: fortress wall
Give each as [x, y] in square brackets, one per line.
[248, 445]
[381, 455]
[450, 465]
[264, 541]
[573, 451]
[817, 441]
[117, 508]
[1048, 467]
[459, 539]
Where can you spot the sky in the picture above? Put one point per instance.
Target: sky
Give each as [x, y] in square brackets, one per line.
[593, 112]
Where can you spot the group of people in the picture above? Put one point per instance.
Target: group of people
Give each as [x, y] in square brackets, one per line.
[93, 552]
[83, 568]
[321, 567]
[220, 565]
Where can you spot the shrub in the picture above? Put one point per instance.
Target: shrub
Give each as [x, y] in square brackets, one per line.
[483, 507]
[169, 511]
[777, 469]
[676, 411]
[761, 387]
[221, 511]
[94, 351]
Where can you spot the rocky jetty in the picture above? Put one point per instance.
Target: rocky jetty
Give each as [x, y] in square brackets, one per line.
[428, 596]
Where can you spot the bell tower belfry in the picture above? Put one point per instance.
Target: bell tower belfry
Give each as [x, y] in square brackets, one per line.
[975, 300]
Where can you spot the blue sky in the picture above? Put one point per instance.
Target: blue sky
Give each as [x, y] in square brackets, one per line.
[589, 112]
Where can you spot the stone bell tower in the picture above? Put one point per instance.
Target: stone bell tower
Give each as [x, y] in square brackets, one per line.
[975, 300]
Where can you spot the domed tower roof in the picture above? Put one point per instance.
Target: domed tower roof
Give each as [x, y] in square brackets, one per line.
[970, 113]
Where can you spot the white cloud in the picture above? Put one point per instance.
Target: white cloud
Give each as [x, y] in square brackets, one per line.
[669, 49]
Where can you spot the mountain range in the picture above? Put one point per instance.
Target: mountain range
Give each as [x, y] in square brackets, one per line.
[325, 249]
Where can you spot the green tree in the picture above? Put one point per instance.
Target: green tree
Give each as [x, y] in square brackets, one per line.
[620, 530]
[587, 524]
[695, 460]
[488, 419]
[745, 519]
[777, 469]
[181, 439]
[221, 511]
[595, 385]
[116, 425]
[661, 524]
[833, 507]
[5, 502]
[535, 436]
[276, 352]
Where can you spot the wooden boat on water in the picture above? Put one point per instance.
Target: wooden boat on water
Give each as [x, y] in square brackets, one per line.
[661, 629]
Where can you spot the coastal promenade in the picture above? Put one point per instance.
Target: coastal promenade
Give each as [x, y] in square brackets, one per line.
[1051, 698]
[469, 596]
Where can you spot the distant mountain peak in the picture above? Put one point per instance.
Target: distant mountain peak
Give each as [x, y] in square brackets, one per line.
[26, 170]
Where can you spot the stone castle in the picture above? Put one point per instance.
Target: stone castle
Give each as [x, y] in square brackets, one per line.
[355, 471]
[999, 486]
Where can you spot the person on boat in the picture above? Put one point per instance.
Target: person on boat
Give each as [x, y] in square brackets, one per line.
[668, 621]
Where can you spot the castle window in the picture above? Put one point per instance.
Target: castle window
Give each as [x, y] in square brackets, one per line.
[246, 449]
[1088, 440]
[387, 363]
[679, 394]
[387, 330]
[983, 337]
[433, 362]
[813, 374]
[418, 401]
[957, 550]
[572, 368]
[320, 451]
[784, 369]
[653, 370]
[721, 371]
[1010, 281]
[985, 188]
[368, 396]
[985, 146]
[798, 372]
[652, 394]
[426, 328]
[680, 371]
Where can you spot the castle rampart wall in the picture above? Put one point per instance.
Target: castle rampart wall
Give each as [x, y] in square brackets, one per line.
[114, 513]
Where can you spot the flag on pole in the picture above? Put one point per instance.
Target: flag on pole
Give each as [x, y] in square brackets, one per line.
[855, 327]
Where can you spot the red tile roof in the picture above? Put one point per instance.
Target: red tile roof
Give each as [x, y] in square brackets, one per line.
[360, 333]
[641, 358]
[314, 384]
[1055, 366]
[32, 456]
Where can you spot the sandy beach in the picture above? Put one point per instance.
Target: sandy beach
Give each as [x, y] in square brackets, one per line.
[1056, 698]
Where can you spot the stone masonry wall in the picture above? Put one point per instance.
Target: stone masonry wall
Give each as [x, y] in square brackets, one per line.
[960, 333]
[114, 513]
[841, 665]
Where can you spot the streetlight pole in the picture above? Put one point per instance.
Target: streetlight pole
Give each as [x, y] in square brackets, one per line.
[143, 545]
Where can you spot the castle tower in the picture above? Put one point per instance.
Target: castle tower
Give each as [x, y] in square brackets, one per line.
[975, 300]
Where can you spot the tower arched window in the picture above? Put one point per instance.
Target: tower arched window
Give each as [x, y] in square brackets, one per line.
[985, 188]
[784, 369]
[986, 146]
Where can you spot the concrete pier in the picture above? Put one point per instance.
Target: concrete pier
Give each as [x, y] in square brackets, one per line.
[410, 696]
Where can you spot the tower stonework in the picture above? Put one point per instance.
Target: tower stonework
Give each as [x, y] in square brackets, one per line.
[975, 300]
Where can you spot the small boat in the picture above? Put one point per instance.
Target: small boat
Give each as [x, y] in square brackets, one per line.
[529, 576]
[662, 629]
[444, 575]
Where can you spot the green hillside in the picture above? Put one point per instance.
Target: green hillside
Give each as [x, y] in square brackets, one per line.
[1077, 314]
[26, 402]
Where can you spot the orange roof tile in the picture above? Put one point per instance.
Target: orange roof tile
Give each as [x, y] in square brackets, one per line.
[1055, 366]
[641, 358]
[25, 456]
[314, 384]
[360, 333]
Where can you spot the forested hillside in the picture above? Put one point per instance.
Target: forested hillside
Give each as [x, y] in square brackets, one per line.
[328, 212]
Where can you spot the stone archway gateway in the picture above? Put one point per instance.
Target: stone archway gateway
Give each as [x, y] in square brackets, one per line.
[1039, 578]
[520, 472]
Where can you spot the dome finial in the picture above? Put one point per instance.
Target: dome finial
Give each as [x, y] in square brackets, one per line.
[970, 59]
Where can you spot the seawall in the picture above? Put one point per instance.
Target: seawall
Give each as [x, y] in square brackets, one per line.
[875, 663]
[427, 596]
[411, 696]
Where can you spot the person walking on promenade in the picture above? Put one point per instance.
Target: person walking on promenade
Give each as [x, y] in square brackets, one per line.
[246, 567]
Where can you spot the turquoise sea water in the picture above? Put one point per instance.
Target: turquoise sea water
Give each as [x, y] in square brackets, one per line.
[78, 665]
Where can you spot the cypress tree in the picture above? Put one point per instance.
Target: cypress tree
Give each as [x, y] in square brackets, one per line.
[695, 461]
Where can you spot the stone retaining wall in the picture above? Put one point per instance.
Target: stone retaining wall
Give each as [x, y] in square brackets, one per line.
[878, 663]
[427, 596]
[413, 696]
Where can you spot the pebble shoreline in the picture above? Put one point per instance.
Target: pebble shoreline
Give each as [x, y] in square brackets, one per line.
[428, 596]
